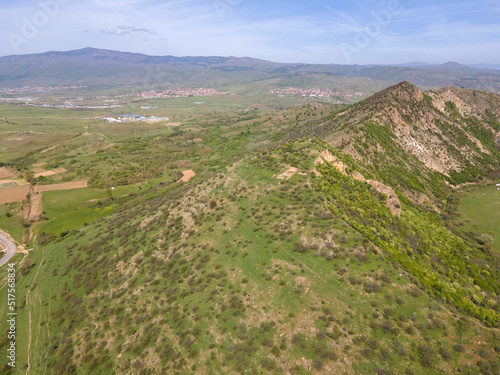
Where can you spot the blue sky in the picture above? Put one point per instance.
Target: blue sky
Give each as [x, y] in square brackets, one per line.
[340, 32]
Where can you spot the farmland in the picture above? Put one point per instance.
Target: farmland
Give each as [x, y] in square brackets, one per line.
[66, 148]
[479, 215]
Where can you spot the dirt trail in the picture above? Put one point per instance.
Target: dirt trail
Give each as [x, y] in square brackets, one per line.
[35, 208]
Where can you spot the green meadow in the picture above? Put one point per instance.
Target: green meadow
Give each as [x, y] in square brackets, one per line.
[480, 213]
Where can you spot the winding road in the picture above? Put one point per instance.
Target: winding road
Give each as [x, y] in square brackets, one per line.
[10, 248]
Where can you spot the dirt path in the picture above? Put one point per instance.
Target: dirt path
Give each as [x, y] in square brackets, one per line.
[36, 207]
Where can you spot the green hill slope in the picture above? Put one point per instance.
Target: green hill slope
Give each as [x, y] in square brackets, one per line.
[313, 256]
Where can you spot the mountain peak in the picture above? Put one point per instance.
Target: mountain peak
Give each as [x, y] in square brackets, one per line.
[402, 92]
[454, 65]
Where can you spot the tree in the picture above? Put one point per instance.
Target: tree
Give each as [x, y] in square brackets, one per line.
[109, 192]
[29, 176]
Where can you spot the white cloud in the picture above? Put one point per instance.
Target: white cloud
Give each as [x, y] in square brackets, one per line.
[125, 30]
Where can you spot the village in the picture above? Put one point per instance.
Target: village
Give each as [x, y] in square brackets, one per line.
[40, 89]
[120, 118]
[315, 92]
[181, 93]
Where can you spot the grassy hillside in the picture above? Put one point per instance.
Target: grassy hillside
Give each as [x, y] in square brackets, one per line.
[248, 273]
[303, 251]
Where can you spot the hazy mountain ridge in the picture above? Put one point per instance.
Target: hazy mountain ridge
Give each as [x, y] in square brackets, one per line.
[104, 68]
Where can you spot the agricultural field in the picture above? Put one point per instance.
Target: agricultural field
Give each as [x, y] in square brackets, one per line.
[479, 213]
[58, 146]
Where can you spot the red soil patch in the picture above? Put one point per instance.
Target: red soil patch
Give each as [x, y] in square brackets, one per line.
[187, 175]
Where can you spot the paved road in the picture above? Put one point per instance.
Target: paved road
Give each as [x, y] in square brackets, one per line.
[9, 246]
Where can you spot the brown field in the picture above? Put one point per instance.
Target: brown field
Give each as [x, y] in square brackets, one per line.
[63, 186]
[7, 181]
[39, 164]
[46, 173]
[39, 171]
[15, 194]
[4, 173]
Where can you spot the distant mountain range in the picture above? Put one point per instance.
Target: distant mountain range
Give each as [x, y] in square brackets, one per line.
[105, 69]
[450, 64]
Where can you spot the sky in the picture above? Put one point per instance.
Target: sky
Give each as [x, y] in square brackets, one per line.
[325, 32]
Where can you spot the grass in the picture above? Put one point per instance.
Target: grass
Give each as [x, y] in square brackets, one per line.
[479, 212]
[68, 210]
[276, 308]
[42, 298]
[12, 224]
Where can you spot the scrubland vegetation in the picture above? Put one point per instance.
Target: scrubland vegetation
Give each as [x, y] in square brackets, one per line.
[239, 271]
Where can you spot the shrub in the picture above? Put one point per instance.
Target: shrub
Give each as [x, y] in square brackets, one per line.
[371, 287]
[26, 266]
[426, 355]
[444, 353]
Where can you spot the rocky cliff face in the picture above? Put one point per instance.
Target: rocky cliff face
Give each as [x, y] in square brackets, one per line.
[446, 130]
[413, 141]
